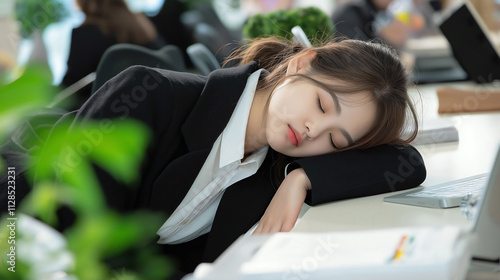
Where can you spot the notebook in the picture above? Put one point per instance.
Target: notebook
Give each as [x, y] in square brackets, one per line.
[487, 220]
[472, 44]
[431, 253]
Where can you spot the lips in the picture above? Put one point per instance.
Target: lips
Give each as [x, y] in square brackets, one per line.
[294, 137]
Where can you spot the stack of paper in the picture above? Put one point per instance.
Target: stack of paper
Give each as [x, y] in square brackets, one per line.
[436, 131]
[400, 253]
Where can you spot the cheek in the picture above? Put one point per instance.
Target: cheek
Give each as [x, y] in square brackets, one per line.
[315, 148]
[274, 128]
[285, 112]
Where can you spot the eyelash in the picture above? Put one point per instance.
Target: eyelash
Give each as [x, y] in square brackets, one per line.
[333, 143]
[331, 139]
[319, 106]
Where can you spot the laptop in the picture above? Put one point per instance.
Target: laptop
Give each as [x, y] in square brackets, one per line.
[486, 246]
[472, 44]
[445, 195]
[487, 223]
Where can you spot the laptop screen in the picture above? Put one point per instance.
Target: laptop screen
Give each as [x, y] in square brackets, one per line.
[487, 225]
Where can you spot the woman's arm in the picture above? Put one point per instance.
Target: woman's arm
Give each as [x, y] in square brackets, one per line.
[285, 206]
[358, 173]
[339, 176]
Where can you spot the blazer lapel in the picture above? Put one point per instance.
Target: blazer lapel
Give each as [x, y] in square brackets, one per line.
[241, 206]
[215, 106]
[204, 124]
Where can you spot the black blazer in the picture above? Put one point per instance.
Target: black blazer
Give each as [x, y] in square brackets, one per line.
[186, 113]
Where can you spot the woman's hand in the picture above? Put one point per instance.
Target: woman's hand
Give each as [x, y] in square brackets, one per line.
[284, 209]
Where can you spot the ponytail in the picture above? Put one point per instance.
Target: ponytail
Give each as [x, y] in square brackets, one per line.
[271, 53]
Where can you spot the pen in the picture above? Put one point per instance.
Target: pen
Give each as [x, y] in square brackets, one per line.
[399, 249]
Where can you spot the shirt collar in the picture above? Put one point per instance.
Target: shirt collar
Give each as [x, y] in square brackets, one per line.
[233, 136]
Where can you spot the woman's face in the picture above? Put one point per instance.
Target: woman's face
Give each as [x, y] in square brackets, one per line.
[304, 119]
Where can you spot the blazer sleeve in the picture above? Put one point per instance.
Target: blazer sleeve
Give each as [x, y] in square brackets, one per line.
[358, 173]
[159, 99]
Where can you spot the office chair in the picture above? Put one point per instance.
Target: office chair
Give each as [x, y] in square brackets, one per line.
[121, 56]
[207, 28]
[202, 58]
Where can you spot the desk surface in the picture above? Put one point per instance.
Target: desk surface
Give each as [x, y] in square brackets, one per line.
[474, 153]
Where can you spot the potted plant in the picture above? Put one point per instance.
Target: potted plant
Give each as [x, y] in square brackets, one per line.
[316, 24]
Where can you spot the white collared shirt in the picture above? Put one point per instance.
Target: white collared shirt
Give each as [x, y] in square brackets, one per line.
[223, 167]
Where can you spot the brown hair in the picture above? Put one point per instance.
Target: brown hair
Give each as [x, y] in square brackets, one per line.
[358, 66]
[114, 17]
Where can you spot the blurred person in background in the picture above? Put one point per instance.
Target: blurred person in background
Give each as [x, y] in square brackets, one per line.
[107, 22]
[252, 7]
[371, 19]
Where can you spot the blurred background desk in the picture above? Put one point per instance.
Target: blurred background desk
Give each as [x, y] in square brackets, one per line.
[474, 153]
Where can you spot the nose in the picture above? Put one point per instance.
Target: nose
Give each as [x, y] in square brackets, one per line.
[318, 126]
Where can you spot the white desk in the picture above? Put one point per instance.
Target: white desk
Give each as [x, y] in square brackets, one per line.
[479, 139]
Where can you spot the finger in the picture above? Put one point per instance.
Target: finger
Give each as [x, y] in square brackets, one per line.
[258, 229]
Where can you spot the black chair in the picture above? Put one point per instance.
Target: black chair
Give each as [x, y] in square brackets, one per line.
[207, 28]
[121, 56]
[202, 58]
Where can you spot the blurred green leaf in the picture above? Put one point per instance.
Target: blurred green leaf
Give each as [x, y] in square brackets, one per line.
[32, 90]
[65, 176]
[110, 234]
[45, 204]
[120, 152]
[67, 158]
[152, 267]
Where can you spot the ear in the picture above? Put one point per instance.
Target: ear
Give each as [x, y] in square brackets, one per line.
[300, 62]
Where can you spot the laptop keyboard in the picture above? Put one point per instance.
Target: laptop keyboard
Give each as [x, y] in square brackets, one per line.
[458, 188]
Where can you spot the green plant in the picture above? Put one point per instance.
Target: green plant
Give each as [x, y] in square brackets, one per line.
[28, 92]
[38, 14]
[100, 236]
[315, 23]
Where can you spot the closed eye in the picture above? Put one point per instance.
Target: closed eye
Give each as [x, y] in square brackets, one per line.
[319, 106]
[333, 143]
